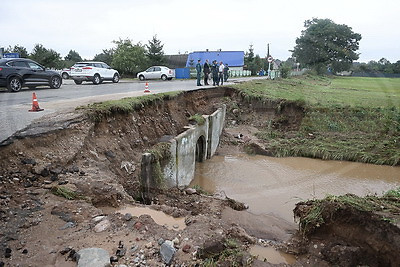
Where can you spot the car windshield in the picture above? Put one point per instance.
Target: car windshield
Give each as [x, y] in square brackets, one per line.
[77, 65]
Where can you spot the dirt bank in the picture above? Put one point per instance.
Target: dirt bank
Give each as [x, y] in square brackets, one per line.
[63, 179]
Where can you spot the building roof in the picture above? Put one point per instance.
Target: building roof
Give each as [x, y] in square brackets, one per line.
[232, 58]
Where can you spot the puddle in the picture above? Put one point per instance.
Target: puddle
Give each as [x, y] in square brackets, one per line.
[273, 185]
[158, 216]
[269, 254]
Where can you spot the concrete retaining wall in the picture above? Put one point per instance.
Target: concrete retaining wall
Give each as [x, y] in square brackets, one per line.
[178, 169]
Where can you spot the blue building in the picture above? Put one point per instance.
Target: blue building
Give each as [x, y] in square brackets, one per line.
[234, 59]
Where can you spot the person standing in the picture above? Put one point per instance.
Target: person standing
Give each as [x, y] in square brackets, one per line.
[221, 73]
[226, 74]
[198, 69]
[206, 70]
[214, 69]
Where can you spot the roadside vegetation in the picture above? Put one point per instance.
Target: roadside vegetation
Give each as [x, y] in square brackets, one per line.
[346, 118]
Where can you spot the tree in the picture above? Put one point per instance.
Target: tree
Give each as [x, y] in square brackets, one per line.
[129, 58]
[17, 49]
[249, 56]
[46, 57]
[106, 56]
[73, 56]
[155, 52]
[326, 44]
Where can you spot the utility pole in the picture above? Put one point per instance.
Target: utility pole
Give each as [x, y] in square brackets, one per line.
[269, 58]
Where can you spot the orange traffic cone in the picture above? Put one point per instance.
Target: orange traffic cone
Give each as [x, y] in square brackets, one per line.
[35, 104]
[146, 88]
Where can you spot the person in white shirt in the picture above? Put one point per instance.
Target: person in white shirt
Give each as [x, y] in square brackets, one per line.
[221, 73]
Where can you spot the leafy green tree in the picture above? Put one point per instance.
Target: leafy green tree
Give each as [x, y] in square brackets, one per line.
[129, 58]
[73, 56]
[106, 56]
[326, 44]
[47, 57]
[249, 56]
[17, 49]
[155, 52]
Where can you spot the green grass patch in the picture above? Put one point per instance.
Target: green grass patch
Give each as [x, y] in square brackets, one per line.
[346, 118]
[161, 155]
[198, 119]
[64, 192]
[98, 111]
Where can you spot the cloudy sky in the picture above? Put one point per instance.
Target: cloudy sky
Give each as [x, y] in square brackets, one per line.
[89, 26]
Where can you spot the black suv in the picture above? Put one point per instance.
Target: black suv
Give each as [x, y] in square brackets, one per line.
[18, 72]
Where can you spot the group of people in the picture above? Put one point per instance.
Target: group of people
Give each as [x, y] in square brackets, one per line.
[219, 72]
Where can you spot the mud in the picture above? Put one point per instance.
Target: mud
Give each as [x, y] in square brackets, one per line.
[95, 167]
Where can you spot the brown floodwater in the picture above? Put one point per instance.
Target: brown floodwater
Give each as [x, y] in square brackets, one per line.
[273, 185]
[271, 255]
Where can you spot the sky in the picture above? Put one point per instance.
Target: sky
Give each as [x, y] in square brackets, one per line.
[89, 26]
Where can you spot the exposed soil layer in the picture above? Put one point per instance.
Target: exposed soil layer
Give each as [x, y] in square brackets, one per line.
[63, 178]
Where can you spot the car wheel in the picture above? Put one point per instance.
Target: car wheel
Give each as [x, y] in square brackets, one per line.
[169, 79]
[55, 82]
[65, 76]
[78, 82]
[14, 84]
[96, 79]
[116, 78]
[164, 77]
[141, 77]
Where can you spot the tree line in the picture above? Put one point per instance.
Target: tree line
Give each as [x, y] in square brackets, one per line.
[127, 57]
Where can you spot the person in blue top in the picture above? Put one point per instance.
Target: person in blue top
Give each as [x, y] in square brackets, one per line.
[198, 69]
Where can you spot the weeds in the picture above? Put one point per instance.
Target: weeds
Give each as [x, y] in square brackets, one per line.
[64, 192]
[198, 119]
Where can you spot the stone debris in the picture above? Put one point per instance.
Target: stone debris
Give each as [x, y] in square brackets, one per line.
[102, 226]
[167, 251]
[93, 257]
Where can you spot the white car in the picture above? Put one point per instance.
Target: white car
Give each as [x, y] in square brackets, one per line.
[65, 73]
[156, 72]
[93, 71]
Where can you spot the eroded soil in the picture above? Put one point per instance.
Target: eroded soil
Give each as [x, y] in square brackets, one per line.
[99, 162]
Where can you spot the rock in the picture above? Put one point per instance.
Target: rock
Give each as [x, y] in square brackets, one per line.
[57, 170]
[121, 252]
[160, 241]
[65, 250]
[109, 154]
[68, 225]
[25, 251]
[138, 225]
[175, 241]
[28, 161]
[102, 226]
[7, 253]
[167, 252]
[234, 111]
[93, 257]
[186, 248]
[190, 191]
[212, 247]
[149, 245]
[128, 217]
[73, 169]
[113, 259]
[98, 218]
[1, 264]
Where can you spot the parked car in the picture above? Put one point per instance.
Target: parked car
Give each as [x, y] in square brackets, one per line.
[16, 73]
[65, 73]
[157, 72]
[93, 71]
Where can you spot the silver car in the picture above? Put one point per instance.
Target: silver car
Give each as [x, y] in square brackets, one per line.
[157, 72]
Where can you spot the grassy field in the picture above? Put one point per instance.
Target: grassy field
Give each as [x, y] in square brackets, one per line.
[347, 118]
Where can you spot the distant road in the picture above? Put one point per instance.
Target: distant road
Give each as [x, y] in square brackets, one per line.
[14, 107]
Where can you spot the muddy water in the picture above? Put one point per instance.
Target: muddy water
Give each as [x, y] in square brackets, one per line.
[158, 216]
[271, 255]
[273, 185]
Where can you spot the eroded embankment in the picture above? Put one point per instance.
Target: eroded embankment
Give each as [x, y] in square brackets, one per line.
[91, 158]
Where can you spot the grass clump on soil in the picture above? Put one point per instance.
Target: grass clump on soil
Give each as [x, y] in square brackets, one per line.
[314, 213]
[98, 111]
[198, 119]
[64, 192]
[345, 118]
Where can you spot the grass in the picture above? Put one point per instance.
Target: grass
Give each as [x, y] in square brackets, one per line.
[98, 111]
[198, 119]
[323, 211]
[64, 192]
[346, 118]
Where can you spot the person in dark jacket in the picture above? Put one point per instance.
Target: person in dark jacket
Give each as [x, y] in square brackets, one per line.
[214, 70]
[206, 70]
[198, 69]
[226, 74]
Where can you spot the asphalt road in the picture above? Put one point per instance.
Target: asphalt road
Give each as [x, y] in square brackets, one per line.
[14, 107]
